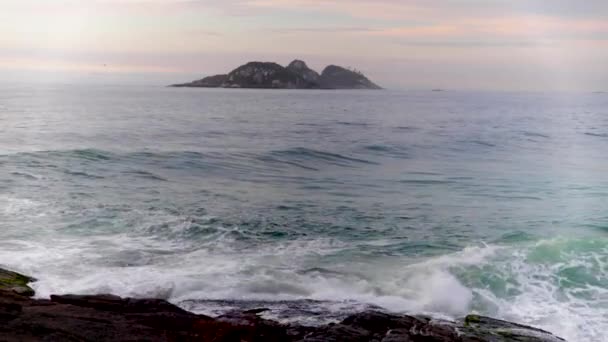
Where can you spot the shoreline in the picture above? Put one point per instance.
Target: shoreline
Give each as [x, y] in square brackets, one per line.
[112, 318]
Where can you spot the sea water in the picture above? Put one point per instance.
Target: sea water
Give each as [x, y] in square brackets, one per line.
[316, 204]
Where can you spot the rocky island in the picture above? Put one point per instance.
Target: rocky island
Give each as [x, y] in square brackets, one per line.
[297, 75]
[99, 318]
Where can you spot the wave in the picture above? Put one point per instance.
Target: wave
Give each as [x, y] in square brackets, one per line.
[302, 154]
[25, 175]
[146, 175]
[84, 154]
[16, 206]
[90, 155]
[423, 182]
[406, 128]
[535, 135]
[599, 135]
[149, 164]
[557, 284]
[354, 124]
[482, 143]
[387, 150]
[82, 174]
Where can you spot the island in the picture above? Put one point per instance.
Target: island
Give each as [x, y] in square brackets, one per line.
[297, 75]
[105, 317]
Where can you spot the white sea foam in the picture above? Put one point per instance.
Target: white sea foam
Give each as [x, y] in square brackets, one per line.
[547, 298]
[10, 205]
[268, 273]
[316, 269]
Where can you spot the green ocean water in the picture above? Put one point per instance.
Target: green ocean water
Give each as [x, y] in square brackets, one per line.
[316, 204]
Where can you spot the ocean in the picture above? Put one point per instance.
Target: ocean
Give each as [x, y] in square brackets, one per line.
[316, 204]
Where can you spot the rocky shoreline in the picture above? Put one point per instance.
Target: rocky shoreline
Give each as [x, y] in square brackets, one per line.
[111, 318]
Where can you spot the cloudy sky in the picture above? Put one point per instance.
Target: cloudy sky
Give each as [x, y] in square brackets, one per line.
[455, 44]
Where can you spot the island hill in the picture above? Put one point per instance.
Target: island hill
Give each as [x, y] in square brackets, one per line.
[297, 75]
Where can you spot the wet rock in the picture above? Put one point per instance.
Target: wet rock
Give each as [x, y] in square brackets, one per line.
[489, 329]
[110, 318]
[118, 304]
[382, 327]
[378, 326]
[15, 282]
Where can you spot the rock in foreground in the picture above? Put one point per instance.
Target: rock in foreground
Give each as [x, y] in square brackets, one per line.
[15, 282]
[111, 318]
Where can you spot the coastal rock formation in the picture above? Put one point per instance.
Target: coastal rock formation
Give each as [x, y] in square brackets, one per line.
[336, 77]
[266, 75]
[300, 68]
[297, 75]
[15, 282]
[207, 82]
[111, 318]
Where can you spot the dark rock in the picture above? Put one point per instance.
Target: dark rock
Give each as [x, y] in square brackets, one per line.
[339, 333]
[257, 311]
[336, 77]
[479, 328]
[297, 75]
[266, 75]
[118, 304]
[299, 67]
[378, 326]
[110, 318]
[207, 82]
[382, 327]
[16, 282]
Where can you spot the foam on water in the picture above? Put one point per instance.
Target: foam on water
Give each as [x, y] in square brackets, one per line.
[557, 284]
[13, 206]
[219, 272]
[381, 199]
[442, 286]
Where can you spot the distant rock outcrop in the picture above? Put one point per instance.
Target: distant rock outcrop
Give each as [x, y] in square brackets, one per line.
[336, 77]
[299, 67]
[207, 82]
[265, 75]
[297, 75]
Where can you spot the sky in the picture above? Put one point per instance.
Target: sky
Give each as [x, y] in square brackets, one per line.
[409, 44]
